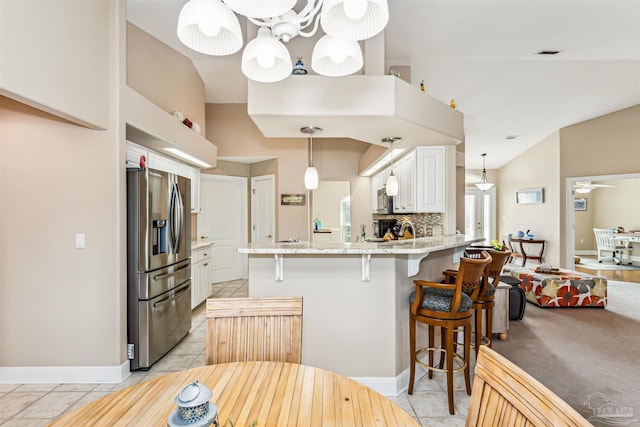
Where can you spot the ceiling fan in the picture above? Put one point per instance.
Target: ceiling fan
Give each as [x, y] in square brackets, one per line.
[584, 187]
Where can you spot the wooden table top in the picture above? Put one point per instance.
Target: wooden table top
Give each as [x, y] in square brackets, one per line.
[271, 393]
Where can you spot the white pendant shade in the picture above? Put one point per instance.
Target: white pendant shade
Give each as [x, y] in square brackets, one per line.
[354, 19]
[484, 186]
[265, 59]
[261, 8]
[335, 57]
[311, 178]
[392, 185]
[484, 183]
[209, 27]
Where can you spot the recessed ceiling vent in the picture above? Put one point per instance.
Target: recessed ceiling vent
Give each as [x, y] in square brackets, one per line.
[548, 52]
[512, 136]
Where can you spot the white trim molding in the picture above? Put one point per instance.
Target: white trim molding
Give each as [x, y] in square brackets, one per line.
[64, 374]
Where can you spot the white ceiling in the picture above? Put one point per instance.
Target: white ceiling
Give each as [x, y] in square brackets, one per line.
[482, 53]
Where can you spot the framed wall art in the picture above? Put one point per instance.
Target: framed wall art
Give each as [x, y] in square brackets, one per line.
[527, 197]
[579, 204]
[292, 199]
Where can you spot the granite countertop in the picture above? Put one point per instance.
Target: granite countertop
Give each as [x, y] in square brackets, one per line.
[422, 245]
[199, 244]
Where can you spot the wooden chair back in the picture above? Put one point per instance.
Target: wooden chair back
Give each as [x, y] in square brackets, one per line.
[253, 329]
[505, 395]
[467, 278]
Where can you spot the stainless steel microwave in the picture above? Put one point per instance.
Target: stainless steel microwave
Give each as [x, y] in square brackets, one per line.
[385, 203]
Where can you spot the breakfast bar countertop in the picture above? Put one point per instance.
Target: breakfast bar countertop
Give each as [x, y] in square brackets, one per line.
[421, 245]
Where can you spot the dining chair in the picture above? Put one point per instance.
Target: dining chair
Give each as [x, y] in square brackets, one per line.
[483, 300]
[447, 307]
[505, 395]
[606, 242]
[253, 329]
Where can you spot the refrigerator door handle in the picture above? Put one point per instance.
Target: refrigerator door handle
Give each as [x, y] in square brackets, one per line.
[170, 274]
[170, 297]
[175, 217]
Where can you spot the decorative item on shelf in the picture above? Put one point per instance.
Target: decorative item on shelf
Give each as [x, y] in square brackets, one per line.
[196, 128]
[143, 162]
[484, 183]
[422, 85]
[187, 123]
[520, 234]
[211, 27]
[317, 223]
[311, 174]
[178, 115]
[194, 408]
[453, 103]
[299, 69]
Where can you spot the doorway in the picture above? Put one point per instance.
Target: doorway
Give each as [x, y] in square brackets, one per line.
[600, 208]
[480, 214]
[223, 220]
[263, 212]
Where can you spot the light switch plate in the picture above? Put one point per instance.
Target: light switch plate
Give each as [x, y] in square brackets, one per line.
[80, 240]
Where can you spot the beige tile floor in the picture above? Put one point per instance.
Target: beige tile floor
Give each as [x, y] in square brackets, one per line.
[23, 405]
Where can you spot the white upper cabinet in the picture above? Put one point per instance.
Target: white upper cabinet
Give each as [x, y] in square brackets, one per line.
[377, 182]
[405, 171]
[421, 183]
[430, 185]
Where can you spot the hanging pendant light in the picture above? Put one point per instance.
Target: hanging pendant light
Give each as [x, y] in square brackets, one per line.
[484, 183]
[311, 174]
[391, 188]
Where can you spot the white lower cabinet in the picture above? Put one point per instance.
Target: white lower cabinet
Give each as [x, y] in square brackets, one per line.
[200, 275]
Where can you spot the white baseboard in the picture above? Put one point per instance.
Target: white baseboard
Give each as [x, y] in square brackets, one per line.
[391, 386]
[64, 374]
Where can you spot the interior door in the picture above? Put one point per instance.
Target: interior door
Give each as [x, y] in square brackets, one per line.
[223, 220]
[479, 214]
[263, 221]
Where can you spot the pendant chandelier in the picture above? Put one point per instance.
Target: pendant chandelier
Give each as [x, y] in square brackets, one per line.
[211, 27]
[391, 187]
[484, 183]
[311, 174]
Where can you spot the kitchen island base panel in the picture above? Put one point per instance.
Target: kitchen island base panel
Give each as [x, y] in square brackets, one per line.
[356, 328]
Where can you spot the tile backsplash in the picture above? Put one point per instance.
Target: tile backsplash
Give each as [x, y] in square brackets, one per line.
[423, 222]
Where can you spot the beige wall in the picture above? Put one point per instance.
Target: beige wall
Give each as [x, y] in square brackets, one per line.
[60, 306]
[164, 76]
[336, 159]
[606, 145]
[56, 57]
[538, 167]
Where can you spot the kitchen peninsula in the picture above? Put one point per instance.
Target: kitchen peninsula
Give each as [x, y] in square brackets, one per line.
[355, 299]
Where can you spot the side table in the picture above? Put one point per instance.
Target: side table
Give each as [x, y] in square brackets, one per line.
[500, 321]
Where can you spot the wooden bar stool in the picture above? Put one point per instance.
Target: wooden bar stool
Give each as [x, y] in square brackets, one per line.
[483, 299]
[445, 306]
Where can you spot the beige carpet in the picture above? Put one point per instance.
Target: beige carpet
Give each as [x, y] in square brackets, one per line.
[582, 352]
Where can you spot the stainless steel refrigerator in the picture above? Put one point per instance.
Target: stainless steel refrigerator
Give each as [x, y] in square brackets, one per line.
[158, 264]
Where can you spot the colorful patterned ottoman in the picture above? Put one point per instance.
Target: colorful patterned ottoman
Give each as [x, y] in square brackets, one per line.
[564, 289]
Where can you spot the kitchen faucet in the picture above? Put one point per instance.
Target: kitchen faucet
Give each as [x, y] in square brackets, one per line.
[403, 225]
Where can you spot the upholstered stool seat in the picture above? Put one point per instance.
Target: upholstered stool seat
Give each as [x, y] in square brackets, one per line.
[440, 300]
